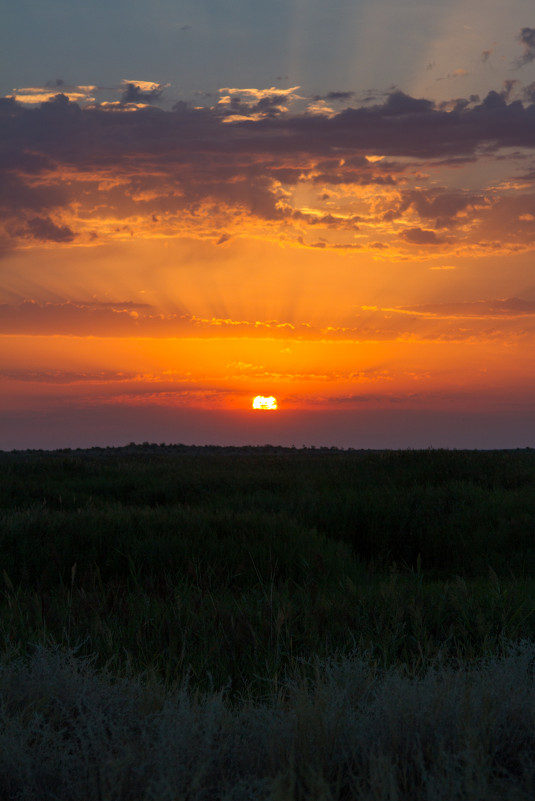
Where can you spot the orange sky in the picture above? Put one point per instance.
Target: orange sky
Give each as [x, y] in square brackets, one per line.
[349, 259]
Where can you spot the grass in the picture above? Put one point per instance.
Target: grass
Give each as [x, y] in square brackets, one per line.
[258, 588]
[350, 732]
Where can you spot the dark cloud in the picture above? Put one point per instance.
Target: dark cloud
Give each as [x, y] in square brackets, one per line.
[335, 96]
[508, 88]
[133, 94]
[459, 104]
[529, 92]
[188, 159]
[440, 205]
[510, 218]
[339, 95]
[405, 126]
[269, 106]
[20, 194]
[347, 176]
[402, 126]
[402, 104]
[526, 38]
[44, 229]
[420, 236]
[456, 161]
[528, 176]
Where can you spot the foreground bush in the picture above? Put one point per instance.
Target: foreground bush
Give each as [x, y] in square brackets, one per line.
[68, 731]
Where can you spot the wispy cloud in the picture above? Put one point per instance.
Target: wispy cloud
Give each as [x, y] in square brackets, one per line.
[34, 95]
[489, 309]
[511, 317]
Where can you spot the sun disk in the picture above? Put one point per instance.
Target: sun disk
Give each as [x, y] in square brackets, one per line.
[268, 404]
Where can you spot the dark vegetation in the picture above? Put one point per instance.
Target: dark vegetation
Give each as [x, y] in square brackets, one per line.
[232, 562]
[244, 568]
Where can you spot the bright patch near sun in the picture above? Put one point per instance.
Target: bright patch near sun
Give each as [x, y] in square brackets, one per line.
[264, 403]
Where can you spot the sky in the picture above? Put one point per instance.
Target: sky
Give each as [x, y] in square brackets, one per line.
[331, 203]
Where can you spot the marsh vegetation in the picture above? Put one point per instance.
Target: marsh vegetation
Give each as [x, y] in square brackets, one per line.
[267, 623]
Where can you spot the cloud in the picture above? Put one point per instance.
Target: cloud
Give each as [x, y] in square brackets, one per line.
[458, 73]
[70, 170]
[509, 218]
[398, 103]
[489, 309]
[381, 398]
[529, 92]
[42, 228]
[440, 205]
[65, 376]
[526, 38]
[33, 95]
[420, 236]
[335, 97]
[131, 92]
[509, 88]
[141, 92]
[339, 96]
[485, 320]
[254, 95]
[129, 319]
[21, 191]
[254, 104]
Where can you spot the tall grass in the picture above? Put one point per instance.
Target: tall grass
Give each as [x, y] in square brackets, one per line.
[233, 601]
[350, 732]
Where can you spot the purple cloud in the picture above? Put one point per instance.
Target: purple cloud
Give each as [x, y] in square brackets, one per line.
[420, 236]
[134, 94]
[526, 38]
[44, 229]
[166, 163]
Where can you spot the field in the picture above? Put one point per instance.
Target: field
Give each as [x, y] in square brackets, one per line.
[267, 623]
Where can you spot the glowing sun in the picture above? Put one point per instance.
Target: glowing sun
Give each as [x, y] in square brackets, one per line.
[267, 404]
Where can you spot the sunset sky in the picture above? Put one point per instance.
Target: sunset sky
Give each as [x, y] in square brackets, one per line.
[331, 203]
